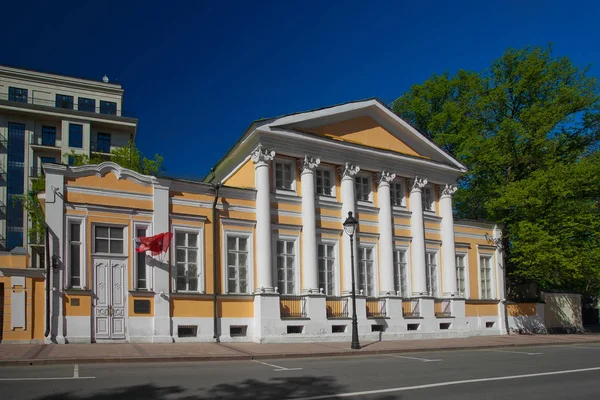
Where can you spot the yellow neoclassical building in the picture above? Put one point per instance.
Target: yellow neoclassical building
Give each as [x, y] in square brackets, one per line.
[258, 251]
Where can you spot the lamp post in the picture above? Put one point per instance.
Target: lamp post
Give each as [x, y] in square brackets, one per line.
[350, 227]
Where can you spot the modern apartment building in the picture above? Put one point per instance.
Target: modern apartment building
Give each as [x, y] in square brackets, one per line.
[43, 118]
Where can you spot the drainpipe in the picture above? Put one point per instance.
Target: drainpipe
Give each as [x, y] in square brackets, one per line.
[48, 268]
[216, 186]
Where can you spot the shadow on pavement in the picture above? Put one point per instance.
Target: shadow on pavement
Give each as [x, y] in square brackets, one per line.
[276, 388]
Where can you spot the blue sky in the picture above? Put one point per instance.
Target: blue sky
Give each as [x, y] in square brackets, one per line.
[196, 74]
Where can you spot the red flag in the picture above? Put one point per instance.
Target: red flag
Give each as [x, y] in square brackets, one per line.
[156, 244]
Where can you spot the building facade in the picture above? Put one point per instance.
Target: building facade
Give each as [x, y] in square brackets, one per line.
[259, 253]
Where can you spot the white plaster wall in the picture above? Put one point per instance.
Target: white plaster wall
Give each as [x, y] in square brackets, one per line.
[140, 329]
[78, 329]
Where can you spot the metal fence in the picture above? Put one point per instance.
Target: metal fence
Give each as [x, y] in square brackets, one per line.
[441, 308]
[410, 308]
[376, 307]
[337, 307]
[292, 306]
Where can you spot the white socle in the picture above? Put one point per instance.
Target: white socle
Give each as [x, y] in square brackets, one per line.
[448, 248]
[386, 234]
[419, 280]
[348, 172]
[309, 228]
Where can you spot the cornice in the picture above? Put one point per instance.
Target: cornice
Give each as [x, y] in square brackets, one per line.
[101, 170]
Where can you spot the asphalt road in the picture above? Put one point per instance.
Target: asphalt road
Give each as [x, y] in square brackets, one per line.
[553, 372]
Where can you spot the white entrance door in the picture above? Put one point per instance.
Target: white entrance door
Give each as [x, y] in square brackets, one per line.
[109, 299]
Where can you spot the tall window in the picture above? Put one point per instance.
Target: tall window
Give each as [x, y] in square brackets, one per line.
[400, 273]
[325, 181]
[109, 240]
[108, 107]
[84, 104]
[76, 135]
[362, 185]
[17, 94]
[186, 259]
[75, 254]
[460, 275]
[285, 266]
[326, 255]
[366, 278]
[427, 198]
[15, 185]
[284, 175]
[64, 101]
[432, 273]
[485, 276]
[397, 194]
[237, 264]
[142, 281]
[103, 143]
[48, 136]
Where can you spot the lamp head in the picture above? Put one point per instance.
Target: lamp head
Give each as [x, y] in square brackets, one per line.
[350, 224]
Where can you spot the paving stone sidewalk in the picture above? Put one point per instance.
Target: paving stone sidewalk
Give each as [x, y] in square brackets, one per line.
[33, 354]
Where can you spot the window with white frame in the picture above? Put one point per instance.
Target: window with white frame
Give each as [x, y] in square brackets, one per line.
[326, 256]
[237, 263]
[366, 272]
[485, 275]
[325, 181]
[431, 273]
[362, 185]
[75, 248]
[108, 240]
[461, 280]
[186, 261]
[397, 194]
[400, 273]
[141, 277]
[286, 265]
[428, 198]
[284, 175]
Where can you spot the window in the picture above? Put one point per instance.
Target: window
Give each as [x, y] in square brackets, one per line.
[286, 262]
[400, 273]
[108, 240]
[48, 136]
[76, 136]
[366, 278]
[461, 284]
[485, 276]
[432, 273]
[84, 104]
[103, 145]
[15, 185]
[237, 264]
[362, 185]
[48, 160]
[427, 198]
[75, 254]
[108, 107]
[17, 94]
[140, 264]
[64, 101]
[397, 194]
[70, 160]
[284, 175]
[186, 260]
[326, 256]
[325, 181]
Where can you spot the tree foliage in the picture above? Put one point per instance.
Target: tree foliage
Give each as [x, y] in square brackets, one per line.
[528, 129]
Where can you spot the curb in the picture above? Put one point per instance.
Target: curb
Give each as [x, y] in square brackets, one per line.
[267, 356]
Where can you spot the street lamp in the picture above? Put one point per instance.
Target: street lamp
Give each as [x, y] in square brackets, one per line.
[350, 225]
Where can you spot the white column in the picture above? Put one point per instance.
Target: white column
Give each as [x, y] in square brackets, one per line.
[417, 228]
[262, 158]
[448, 248]
[309, 228]
[348, 172]
[386, 234]
[162, 307]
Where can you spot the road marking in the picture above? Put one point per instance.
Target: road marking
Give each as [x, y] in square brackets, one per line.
[76, 371]
[412, 358]
[277, 367]
[449, 383]
[515, 352]
[48, 379]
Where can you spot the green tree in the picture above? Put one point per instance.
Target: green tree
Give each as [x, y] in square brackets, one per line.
[528, 119]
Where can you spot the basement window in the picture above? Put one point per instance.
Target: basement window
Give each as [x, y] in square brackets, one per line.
[445, 325]
[338, 329]
[238, 331]
[295, 328]
[377, 328]
[412, 327]
[187, 331]
[490, 324]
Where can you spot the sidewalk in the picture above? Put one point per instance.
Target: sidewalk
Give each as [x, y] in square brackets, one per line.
[37, 354]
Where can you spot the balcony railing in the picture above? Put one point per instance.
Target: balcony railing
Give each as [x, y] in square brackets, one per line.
[40, 140]
[337, 307]
[375, 307]
[292, 306]
[102, 148]
[410, 308]
[68, 106]
[441, 308]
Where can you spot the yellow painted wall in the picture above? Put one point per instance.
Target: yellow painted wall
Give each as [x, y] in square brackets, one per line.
[522, 309]
[235, 308]
[33, 318]
[39, 308]
[84, 309]
[242, 178]
[84, 198]
[193, 307]
[110, 181]
[365, 131]
[14, 261]
[476, 310]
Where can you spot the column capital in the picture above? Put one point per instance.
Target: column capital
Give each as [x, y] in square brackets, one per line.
[260, 155]
[418, 183]
[308, 164]
[348, 170]
[385, 177]
[448, 190]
